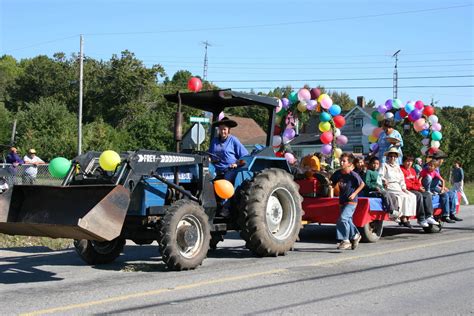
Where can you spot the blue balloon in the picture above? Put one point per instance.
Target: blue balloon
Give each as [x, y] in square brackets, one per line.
[397, 116]
[335, 110]
[425, 132]
[324, 117]
[409, 107]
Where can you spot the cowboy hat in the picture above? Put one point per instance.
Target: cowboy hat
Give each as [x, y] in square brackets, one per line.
[392, 150]
[439, 154]
[225, 121]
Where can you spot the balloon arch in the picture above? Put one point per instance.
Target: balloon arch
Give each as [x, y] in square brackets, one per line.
[309, 100]
[422, 116]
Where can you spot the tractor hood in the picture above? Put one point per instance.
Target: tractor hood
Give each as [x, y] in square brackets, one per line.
[216, 101]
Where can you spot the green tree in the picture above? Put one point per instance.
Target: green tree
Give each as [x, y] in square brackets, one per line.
[9, 71]
[42, 77]
[49, 127]
[5, 127]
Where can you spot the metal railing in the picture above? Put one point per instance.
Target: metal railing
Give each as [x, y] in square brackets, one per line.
[23, 174]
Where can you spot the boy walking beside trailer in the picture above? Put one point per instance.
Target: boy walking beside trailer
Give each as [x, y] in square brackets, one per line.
[350, 184]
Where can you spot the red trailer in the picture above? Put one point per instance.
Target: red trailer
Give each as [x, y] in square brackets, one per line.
[368, 216]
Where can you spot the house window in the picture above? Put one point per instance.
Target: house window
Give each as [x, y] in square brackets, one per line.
[358, 122]
[357, 149]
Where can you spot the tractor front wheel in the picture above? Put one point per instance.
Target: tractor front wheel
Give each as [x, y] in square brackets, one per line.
[99, 252]
[270, 219]
[185, 236]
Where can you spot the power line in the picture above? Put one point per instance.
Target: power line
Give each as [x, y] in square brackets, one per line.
[344, 79]
[373, 87]
[362, 67]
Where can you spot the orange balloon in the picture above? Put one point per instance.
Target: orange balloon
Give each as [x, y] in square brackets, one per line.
[224, 189]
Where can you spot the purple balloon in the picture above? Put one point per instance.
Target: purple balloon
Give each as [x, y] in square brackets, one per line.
[285, 103]
[289, 133]
[326, 149]
[389, 104]
[341, 140]
[382, 108]
[416, 114]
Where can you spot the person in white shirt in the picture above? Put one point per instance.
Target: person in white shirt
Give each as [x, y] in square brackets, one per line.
[31, 163]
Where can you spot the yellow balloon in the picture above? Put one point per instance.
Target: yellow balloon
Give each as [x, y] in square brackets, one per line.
[278, 120]
[372, 139]
[224, 189]
[322, 96]
[302, 106]
[109, 160]
[324, 126]
[337, 152]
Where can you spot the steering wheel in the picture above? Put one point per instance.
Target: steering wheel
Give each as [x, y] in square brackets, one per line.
[214, 157]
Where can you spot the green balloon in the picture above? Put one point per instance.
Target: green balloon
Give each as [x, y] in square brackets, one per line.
[374, 122]
[59, 167]
[436, 135]
[375, 114]
[293, 97]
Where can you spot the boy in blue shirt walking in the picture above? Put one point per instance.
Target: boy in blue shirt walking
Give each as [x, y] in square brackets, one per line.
[350, 184]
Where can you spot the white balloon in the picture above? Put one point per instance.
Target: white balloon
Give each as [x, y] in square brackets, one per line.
[388, 115]
[433, 119]
[367, 129]
[424, 149]
[435, 144]
[276, 141]
[337, 132]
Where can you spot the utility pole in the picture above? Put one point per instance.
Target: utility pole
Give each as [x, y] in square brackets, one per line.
[395, 75]
[81, 75]
[204, 75]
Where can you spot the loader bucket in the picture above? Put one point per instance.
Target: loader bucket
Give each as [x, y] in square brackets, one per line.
[93, 212]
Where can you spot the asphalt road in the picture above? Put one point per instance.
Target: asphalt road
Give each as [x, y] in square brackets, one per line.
[406, 272]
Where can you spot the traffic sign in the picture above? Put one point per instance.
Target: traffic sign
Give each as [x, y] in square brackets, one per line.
[198, 119]
[198, 134]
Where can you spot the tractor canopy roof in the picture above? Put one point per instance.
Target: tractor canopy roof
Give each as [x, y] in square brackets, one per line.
[216, 101]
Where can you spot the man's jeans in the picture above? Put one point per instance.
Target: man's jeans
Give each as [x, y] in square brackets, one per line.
[448, 200]
[345, 228]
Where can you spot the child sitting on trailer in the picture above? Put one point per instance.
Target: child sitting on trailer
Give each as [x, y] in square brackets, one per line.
[374, 188]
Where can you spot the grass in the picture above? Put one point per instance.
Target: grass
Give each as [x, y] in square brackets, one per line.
[7, 241]
[469, 190]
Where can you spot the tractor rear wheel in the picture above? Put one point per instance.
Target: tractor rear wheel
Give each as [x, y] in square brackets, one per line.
[185, 236]
[270, 217]
[99, 252]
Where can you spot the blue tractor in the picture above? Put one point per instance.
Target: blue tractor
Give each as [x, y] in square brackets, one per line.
[166, 197]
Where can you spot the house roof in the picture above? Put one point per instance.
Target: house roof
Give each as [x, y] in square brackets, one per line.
[248, 131]
[366, 111]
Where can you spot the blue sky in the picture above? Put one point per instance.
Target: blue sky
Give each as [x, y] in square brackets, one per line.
[342, 45]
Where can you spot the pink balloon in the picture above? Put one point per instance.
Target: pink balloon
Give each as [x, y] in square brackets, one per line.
[279, 107]
[341, 140]
[221, 116]
[419, 124]
[419, 105]
[290, 158]
[326, 102]
[304, 94]
[436, 127]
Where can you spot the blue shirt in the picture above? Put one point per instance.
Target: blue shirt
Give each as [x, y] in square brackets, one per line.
[228, 151]
[348, 183]
[384, 145]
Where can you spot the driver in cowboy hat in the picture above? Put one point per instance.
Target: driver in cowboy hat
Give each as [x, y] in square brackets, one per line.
[227, 148]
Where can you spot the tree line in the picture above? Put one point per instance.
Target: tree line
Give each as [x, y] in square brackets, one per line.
[124, 108]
